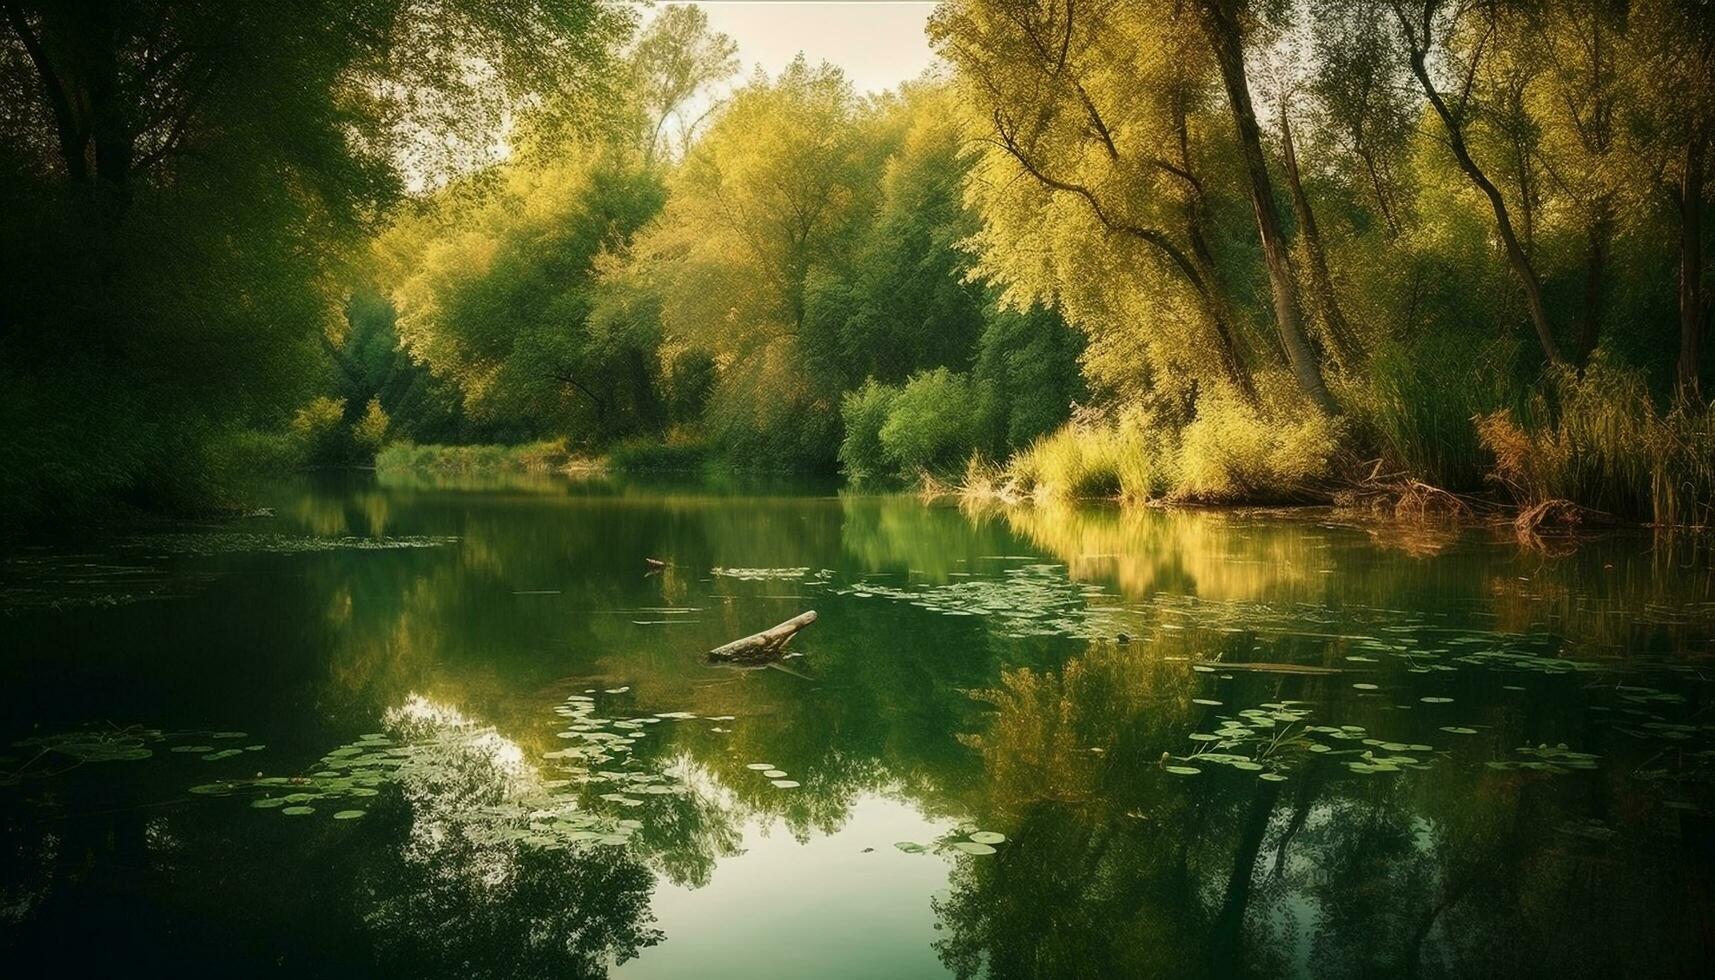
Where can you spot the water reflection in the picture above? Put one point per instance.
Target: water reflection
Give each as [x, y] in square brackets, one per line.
[470, 886]
[1436, 756]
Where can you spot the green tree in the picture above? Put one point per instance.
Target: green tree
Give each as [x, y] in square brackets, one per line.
[187, 187]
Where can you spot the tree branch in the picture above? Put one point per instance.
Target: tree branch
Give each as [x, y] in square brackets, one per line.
[72, 138]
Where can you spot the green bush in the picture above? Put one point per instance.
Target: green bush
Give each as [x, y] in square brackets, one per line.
[369, 433]
[768, 414]
[319, 430]
[1237, 451]
[863, 413]
[932, 424]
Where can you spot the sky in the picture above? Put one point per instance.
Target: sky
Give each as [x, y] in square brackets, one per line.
[879, 43]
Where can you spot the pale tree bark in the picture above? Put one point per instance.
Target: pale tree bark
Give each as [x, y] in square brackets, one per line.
[1221, 25]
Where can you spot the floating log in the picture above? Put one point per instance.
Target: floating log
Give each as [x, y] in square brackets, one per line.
[766, 645]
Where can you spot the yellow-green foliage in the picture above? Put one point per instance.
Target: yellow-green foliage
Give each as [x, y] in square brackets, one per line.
[1124, 459]
[932, 421]
[1230, 451]
[316, 428]
[864, 412]
[1234, 451]
[370, 431]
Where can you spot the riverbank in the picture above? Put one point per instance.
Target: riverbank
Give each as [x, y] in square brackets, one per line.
[1604, 454]
[547, 456]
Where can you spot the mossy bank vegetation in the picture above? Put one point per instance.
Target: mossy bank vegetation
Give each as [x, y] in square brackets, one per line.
[1413, 255]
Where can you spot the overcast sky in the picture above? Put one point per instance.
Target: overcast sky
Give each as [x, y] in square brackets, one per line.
[879, 43]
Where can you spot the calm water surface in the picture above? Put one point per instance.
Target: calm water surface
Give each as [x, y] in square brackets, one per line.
[418, 730]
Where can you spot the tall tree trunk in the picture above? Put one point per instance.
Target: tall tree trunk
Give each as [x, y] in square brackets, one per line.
[1336, 329]
[1589, 330]
[1220, 22]
[1691, 264]
[73, 136]
[1516, 257]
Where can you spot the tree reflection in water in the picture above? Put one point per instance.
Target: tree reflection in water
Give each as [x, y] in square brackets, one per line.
[454, 898]
[1116, 868]
[967, 667]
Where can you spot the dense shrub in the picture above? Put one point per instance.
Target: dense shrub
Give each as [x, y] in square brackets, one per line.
[319, 430]
[932, 423]
[534, 457]
[863, 412]
[770, 415]
[1093, 458]
[369, 432]
[1234, 451]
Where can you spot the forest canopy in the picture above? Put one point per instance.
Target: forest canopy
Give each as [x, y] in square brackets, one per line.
[1209, 250]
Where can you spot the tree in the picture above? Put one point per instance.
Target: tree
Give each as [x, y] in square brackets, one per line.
[499, 297]
[776, 190]
[1223, 22]
[1110, 152]
[676, 58]
[1461, 36]
[187, 186]
[1365, 120]
[1672, 55]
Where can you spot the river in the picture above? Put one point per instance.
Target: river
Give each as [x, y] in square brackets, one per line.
[417, 728]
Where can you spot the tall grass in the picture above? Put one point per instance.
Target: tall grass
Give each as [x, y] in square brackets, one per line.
[658, 456]
[1231, 451]
[1279, 450]
[1415, 405]
[1599, 441]
[1083, 459]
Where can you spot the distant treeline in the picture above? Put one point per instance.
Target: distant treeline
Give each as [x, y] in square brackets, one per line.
[1210, 250]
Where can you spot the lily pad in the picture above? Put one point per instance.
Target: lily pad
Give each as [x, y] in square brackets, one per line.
[973, 847]
[988, 837]
[348, 814]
